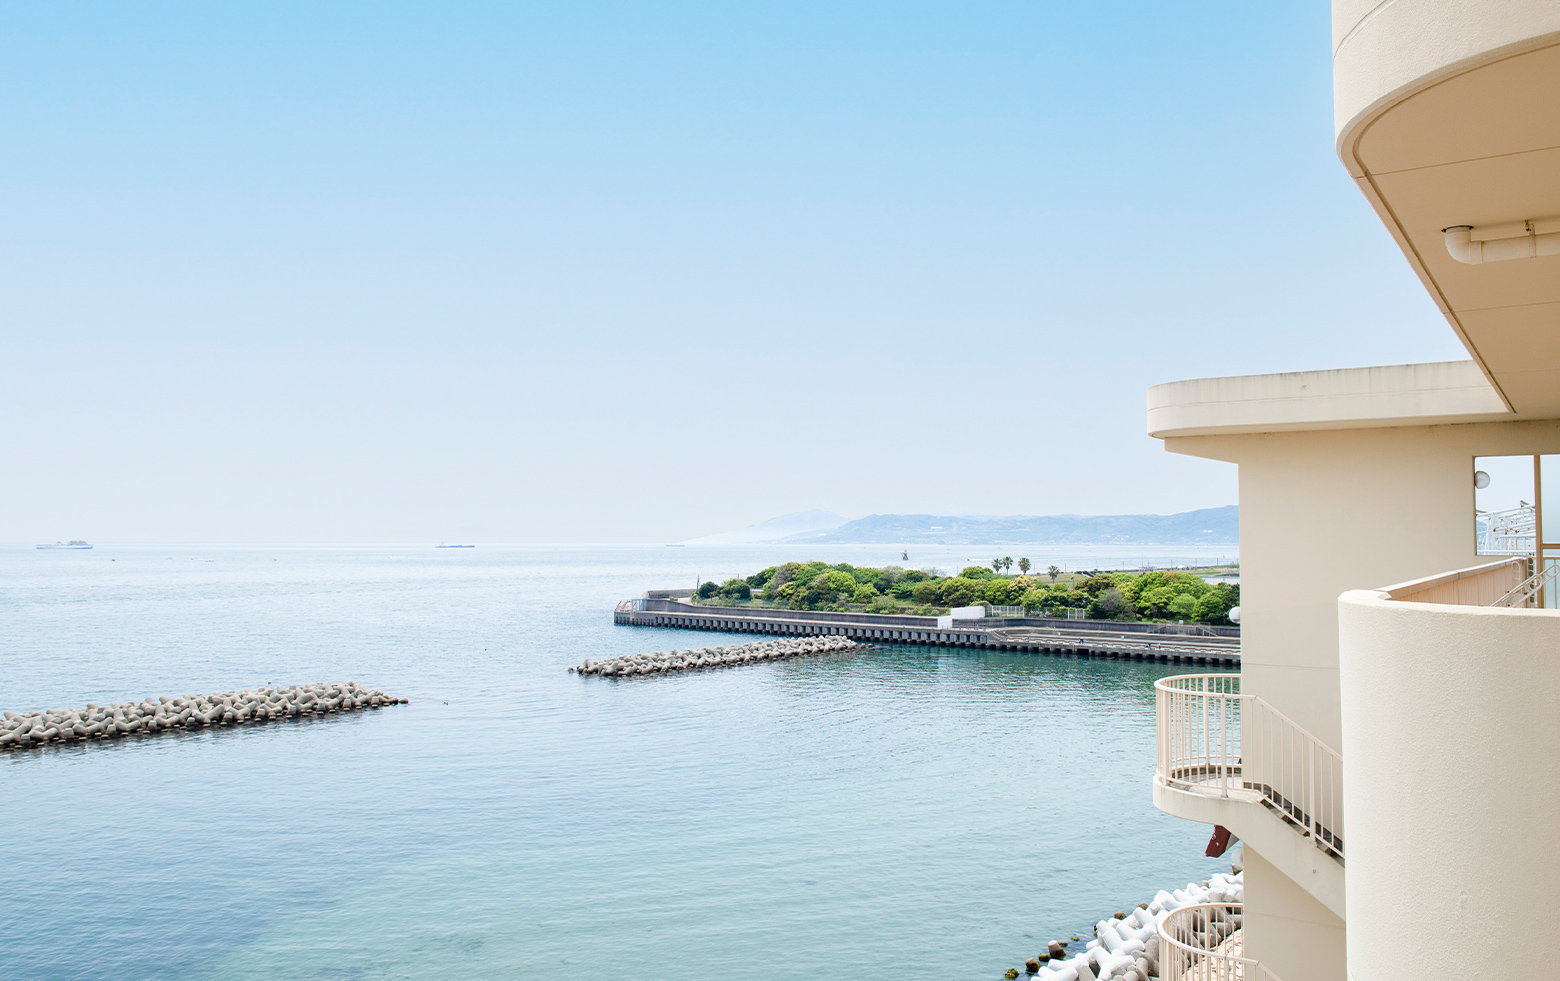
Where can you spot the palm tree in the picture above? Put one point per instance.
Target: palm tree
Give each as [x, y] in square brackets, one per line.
[996, 565]
[1023, 566]
[1053, 572]
[1007, 562]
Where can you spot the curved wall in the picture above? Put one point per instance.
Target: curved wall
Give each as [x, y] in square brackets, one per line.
[1451, 788]
[1384, 49]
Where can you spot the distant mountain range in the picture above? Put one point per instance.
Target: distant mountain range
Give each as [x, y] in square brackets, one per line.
[1205, 526]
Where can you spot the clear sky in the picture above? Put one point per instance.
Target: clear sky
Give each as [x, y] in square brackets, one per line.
[398, 272]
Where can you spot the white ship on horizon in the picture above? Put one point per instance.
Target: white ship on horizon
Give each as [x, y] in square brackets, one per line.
[69, 544]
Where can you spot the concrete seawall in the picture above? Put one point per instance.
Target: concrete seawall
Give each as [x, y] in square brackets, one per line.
[1089, 638]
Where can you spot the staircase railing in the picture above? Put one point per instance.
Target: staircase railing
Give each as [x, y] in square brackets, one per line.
[1204, 943]
[1214, 740]
[1523, 593]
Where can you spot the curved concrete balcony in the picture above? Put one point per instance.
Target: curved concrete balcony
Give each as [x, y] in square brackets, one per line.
[1451, 715]
[1447, 115]
[1232, 759]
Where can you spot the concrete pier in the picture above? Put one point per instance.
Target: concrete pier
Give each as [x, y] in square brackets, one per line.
[1166, 643]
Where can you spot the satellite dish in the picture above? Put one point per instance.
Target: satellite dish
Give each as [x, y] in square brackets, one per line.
[1481, 479]
[1234, 614]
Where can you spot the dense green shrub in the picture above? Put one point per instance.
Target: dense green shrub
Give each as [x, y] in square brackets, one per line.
[1158, 595]
[735, 589]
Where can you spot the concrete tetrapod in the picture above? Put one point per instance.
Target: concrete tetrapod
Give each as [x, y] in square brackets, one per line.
[662, 662]
[29, 729]
[1126, 946]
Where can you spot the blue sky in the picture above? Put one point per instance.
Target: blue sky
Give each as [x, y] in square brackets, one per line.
[639, 272]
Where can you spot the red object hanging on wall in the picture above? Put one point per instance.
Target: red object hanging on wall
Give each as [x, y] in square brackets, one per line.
[1219, 843]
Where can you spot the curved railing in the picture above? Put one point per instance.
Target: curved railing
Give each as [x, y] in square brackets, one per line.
[1199, 732]
[1203, 943]
[1214, 740]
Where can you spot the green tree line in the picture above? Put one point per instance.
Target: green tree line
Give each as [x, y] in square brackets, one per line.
[1157, 595]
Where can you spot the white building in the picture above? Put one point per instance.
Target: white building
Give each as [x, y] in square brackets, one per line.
[1392, 758]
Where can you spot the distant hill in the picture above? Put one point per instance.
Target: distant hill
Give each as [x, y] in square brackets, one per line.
[1206, 526]
[803, 525]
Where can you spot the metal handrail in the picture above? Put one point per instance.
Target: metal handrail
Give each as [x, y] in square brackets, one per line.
[1204, 943]
[1513, 531]
[1212, 739]
[1523, 592]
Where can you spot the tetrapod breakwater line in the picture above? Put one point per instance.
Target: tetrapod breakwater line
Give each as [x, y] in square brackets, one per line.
[1130, 947]
[23, 730]
[664, 662]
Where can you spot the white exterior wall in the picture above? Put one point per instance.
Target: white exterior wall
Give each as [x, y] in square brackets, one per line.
[1292, 934]
[1383, 50]
[1323, 513]
[1451, 720]
[1326, 512]
[1445, 113]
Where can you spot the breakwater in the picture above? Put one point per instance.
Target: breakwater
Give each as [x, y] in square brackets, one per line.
[1128, 946]
[663, 662]
[120, 719]
[1165, 643]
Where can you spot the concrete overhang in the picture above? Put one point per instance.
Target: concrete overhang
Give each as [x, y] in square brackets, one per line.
[1267, 834]
[1347, 398]
[1448, 114]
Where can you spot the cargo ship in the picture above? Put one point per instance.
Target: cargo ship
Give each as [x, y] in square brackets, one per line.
[73, 544]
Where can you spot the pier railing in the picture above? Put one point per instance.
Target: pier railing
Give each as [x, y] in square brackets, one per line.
[1204, 943]
[1214, 740]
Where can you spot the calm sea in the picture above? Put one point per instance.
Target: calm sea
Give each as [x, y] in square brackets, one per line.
[908, 813]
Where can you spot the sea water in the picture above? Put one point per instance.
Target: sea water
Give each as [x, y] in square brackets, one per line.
[912, 812]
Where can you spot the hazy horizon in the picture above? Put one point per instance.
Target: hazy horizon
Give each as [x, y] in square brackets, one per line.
[694, 541]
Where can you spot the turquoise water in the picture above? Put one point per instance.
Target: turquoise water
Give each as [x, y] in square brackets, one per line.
[909, 813]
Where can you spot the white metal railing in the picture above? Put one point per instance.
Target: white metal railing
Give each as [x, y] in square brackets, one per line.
[1214, 740]
[1204, 943]
[1199, 732]
[1525, 592]
[1510, 532]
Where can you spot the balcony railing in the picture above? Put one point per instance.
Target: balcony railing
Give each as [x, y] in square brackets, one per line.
[1215, 741]
[1204, 943]
[1481, 585]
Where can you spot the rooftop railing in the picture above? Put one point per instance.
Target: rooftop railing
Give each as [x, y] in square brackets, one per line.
[1215, 741]
[1510, 532]
[1204, 943]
